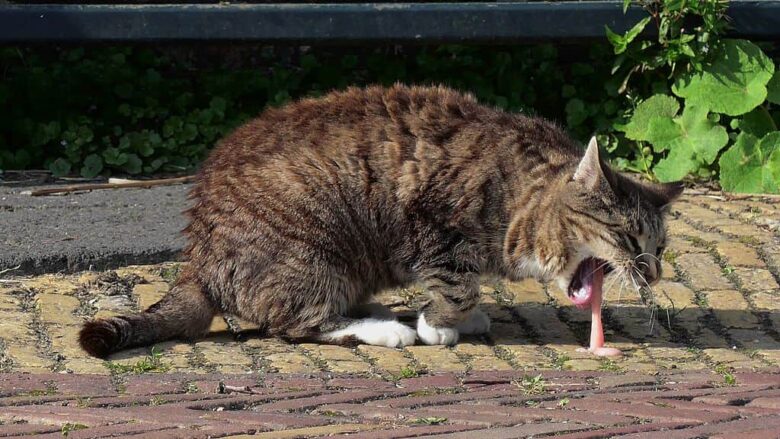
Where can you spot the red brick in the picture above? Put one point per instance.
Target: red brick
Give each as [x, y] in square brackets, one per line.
[628, 429]
[416, 431]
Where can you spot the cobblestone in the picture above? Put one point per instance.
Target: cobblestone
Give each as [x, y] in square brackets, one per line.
[716, 311]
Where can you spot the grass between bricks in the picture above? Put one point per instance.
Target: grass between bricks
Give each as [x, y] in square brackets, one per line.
[151, 363]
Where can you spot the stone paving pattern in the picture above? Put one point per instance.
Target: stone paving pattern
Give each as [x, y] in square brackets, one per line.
[716, 314]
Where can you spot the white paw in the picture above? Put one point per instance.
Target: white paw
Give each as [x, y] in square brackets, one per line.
[476, 323]
[389, 333]
[431, 335]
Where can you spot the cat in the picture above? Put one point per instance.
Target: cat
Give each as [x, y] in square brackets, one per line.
[301, 215]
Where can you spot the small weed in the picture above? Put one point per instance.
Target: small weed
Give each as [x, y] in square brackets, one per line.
[531, 385]
[727, 270]
[191, 388]
[670, 256]
[170, 273]
[698, 242]
[727, 373]
[563, 403]
[560, 362]
[328, 413]
[152, 363]
[83, 402]
[155, 401]
[67, 428]
[701, 301]
[749, 240]
[532, 403]
[408, 372]
[609, 365]
[693, 350]
[432, 420]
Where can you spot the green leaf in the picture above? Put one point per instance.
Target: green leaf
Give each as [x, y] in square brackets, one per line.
[93, 164]
[758, 122]
[773, 88]
[733, 83]
[692, 138]
[114, 156]
[620, 43]
[575, 112]
[752, 165]
[133, 164]
[626, 4]
[60, 167]
[657, 106]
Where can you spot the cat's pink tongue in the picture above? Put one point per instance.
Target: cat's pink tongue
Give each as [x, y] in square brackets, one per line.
[596, 328]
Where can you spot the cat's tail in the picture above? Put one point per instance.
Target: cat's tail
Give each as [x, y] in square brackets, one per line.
[185, 312]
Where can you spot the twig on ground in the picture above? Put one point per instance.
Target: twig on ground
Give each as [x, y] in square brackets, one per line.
[224, 388]
[115, 185]
[2, 272]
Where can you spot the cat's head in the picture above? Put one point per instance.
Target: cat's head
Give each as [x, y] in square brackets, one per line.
[612, 221]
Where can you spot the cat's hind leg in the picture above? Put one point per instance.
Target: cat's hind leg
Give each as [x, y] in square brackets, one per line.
[371, 330]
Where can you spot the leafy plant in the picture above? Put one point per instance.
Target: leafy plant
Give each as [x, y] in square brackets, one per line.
[151, 363]
[531, 385]
[702, 104]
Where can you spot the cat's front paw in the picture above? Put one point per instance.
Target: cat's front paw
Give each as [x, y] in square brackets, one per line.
[391, 334]
[431, 335]
[476, 323]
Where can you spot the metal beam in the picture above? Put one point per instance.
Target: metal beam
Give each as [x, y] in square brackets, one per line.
[339, 23]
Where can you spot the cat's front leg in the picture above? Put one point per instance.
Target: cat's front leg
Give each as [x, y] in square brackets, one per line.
[452, 308]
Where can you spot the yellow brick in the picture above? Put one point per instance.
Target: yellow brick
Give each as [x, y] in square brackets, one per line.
[149, 294]
[218, 324]
[27, 356]
[768, 300]
[482, 357]
[731, 309]
[14, 326]
[738, 254]
[756, 279]
[703, 272]
[58, 309]
[385, 359]
[546, 323]
[437, 358]
[338, 358]
[674, 295]
[86, 365]
[527, 291]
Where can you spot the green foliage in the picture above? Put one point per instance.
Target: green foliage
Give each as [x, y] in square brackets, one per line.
[752, 164]
[151, 363]
[725, 87]
[134, 110]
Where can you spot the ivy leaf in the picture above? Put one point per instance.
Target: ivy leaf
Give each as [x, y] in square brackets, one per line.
[692, 138]
[60, 167]
[733, 83]
[752, 165]
[773, 88]
[93, 164]
[657, 106]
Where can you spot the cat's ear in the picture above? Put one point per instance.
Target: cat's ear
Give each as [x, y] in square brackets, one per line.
[663, 194]
[590, 171]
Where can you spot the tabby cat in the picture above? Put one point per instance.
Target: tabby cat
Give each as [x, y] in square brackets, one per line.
[301, 215]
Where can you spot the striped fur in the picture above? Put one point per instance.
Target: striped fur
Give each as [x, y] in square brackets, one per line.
[310, 209]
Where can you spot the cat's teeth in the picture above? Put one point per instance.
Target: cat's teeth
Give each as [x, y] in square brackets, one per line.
[582, 292]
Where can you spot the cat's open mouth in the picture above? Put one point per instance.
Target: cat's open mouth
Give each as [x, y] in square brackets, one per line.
[582, 284]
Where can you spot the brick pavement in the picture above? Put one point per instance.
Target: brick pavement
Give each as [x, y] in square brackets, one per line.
[716, 314]
[497, 404]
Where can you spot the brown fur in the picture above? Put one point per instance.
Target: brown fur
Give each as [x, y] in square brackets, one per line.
[310, 209]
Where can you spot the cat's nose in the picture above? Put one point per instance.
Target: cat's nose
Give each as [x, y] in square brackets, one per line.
[652, 272]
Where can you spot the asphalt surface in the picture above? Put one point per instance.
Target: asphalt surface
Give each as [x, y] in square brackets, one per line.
[95, 230]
